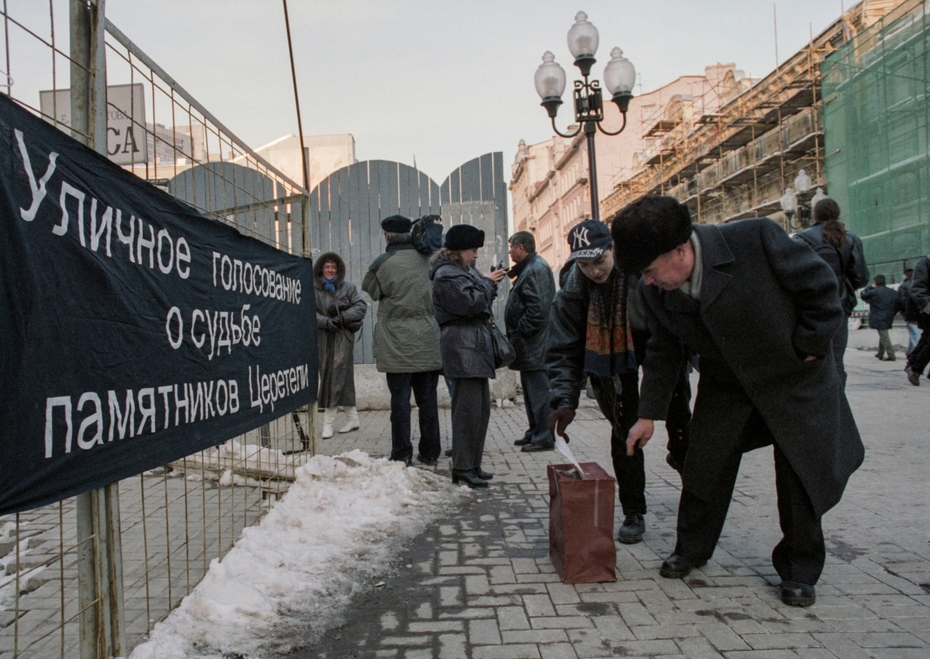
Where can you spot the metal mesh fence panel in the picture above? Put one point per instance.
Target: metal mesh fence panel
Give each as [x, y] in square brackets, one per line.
[173, 521]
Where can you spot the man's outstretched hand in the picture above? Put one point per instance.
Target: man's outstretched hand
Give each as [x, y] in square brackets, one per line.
[640, 433]
[559, 420]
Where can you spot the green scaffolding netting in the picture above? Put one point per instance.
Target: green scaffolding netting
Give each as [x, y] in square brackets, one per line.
[875, 92]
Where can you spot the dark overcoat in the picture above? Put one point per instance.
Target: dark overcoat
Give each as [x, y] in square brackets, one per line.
[766, 303]
[527, 313]
[462, 300]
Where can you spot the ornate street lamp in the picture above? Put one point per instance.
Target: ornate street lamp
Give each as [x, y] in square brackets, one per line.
[619, 77]
[802, 202]
[789, 205]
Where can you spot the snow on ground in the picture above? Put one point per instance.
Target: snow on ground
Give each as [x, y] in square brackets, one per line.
[290, 578]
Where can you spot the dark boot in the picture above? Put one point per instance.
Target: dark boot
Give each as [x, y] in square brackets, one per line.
[469, 478]
[632, 530]
[797, 594]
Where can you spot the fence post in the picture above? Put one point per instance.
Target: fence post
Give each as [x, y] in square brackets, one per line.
[305, 251]
[100, 577]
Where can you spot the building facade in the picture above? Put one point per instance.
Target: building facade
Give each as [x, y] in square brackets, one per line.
[877, 145]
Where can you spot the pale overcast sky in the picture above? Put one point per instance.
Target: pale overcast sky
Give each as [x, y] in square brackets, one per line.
[443, 81]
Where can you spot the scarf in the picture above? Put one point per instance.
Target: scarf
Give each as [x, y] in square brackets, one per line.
[329, 284]
[608, 346]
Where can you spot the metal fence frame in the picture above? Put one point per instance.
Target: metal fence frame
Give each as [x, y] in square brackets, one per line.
[134, 549]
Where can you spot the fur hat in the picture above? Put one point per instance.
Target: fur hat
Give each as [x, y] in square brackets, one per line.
[588, 240]
[648, 228]
[396, 224]
[464, 236]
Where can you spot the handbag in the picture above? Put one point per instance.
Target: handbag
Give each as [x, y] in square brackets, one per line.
[504, 353]
[352, 325]
[340, 303]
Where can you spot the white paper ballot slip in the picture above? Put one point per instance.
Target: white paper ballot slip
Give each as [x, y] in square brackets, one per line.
[562, 445]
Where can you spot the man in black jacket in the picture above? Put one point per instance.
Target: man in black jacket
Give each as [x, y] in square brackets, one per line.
[761, 310]
[526, 317]
[882, 302]
[919, 357]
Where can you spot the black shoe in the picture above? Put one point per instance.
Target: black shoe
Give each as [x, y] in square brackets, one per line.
[797, 594]
[877, 356]
[889, 359]
[429, 462]
[676, 566]
[484, 475]
[469, 478]
[521, 442]
[534, 448]
[448, 452]
[912, 376]
[632, 530]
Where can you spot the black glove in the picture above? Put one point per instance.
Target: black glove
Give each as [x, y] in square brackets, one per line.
[559, 420]
[332, 324]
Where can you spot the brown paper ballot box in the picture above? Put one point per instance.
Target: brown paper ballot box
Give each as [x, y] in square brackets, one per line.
[581, 523]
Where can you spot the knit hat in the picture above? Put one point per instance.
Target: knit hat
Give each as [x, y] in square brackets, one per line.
[396, 224]
[464, 236]
[648, 228]
[588, 240]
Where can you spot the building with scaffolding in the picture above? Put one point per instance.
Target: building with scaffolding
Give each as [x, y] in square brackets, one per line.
[737, 162]
[876, 118]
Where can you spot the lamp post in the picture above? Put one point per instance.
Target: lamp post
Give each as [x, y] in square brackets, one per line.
[619, 76]
[802, 202]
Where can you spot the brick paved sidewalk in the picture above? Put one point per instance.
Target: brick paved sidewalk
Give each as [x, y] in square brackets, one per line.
[481, 585]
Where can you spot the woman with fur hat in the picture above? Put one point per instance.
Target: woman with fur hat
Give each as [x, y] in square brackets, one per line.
[339, 313]
[462, 300]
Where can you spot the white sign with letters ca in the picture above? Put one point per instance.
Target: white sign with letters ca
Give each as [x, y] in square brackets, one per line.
[126, 143]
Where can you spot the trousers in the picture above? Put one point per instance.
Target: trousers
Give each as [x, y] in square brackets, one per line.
[800, 554]
[424, 392]
[885, 346]
[678, 416]
[621, 407]
[535, 386]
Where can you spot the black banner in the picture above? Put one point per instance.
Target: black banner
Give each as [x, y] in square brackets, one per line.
[134, 330]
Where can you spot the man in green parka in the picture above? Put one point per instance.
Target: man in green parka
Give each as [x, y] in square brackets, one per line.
[406, 339]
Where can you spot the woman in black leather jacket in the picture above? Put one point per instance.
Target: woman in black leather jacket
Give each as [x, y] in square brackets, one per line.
[462, 300]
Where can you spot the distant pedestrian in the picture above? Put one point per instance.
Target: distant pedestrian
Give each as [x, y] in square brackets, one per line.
[527, 320]
[908, 310]
[590, 338]
[339, 314]
[919, 357]
[760, 310]
[406, 340]
[462, 299]
[883, 303]
[842, 250]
